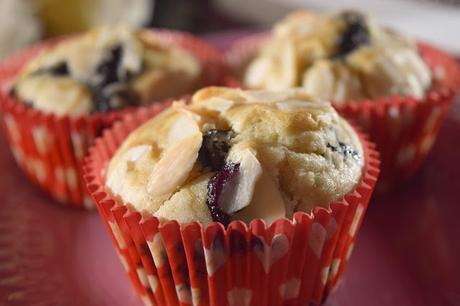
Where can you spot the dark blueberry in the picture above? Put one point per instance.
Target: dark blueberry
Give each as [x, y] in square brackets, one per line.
[329, 146]
[347, 150]
[215, 186]
[215, 147]
[107, 70]
[117, 99]
[59, 70]
[355, 35]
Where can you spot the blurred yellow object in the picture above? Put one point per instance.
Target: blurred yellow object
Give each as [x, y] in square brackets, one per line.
[62, 17]
[68, 16]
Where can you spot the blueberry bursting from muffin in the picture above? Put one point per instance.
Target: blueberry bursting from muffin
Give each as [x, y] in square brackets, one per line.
[212, 155]
[239, 155]
[109, 86]
[213, 152]
[356, 34]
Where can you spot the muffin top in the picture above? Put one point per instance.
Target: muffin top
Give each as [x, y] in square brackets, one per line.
[105, 69]
[340, 57]
[237, 155]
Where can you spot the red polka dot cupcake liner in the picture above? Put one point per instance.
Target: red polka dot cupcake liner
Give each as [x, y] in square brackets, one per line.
[404, 128]
[290, 262]
[49, 148]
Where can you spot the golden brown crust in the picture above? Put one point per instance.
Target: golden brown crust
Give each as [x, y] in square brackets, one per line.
[298, 148]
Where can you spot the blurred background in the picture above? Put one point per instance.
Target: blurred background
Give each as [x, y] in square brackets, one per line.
[23, 22]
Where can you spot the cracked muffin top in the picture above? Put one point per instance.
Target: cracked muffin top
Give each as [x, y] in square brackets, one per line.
[237, 155]
[339, 57]
[106, 69]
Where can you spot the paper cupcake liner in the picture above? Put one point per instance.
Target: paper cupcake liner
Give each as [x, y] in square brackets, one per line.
[404, 128]
[50, 149]
[290, 262]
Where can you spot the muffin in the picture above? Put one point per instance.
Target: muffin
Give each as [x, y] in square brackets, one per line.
[58, 96]
[230, 152]
[106, 69]
[398, 90]
[339, 57]
[218, 198]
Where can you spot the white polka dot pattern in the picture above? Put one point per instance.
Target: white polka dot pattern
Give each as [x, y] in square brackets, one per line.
[153, 281]
[356, 220]
[40, 136]
[88, 203]
[12, 128]
[216, 257]
[196, 295]
[158, 250]
[349, 251]
[427, 143]
[147, 302]
[183, 293]
[117, 234]
[335, 267]
[123, 261]
[324, 275]
[290, 289]
[317, 237]
[270, 254]
[239, 297]
[142, 275]
[406, 155]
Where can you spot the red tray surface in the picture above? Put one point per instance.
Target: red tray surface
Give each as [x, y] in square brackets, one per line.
[407, 253]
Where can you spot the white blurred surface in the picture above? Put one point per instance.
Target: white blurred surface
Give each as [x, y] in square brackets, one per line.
[431, 21]
[18, 26]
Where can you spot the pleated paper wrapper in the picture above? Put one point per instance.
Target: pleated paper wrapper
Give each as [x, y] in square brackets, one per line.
[49, 148]
[404, 128]
[290, 262]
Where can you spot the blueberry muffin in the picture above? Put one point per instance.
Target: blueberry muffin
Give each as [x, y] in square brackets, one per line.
[237, 155]
[106, 69]
[340, 57]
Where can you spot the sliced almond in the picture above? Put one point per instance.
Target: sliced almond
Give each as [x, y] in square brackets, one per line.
[217, 104]
[116, 179]
[237, 194]
[293, 105]
[184, 126]
[320, 80]
[83, 60]
[265, 96]
[257, 71]
[135, 153]
[267, 202]
[174, 167]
